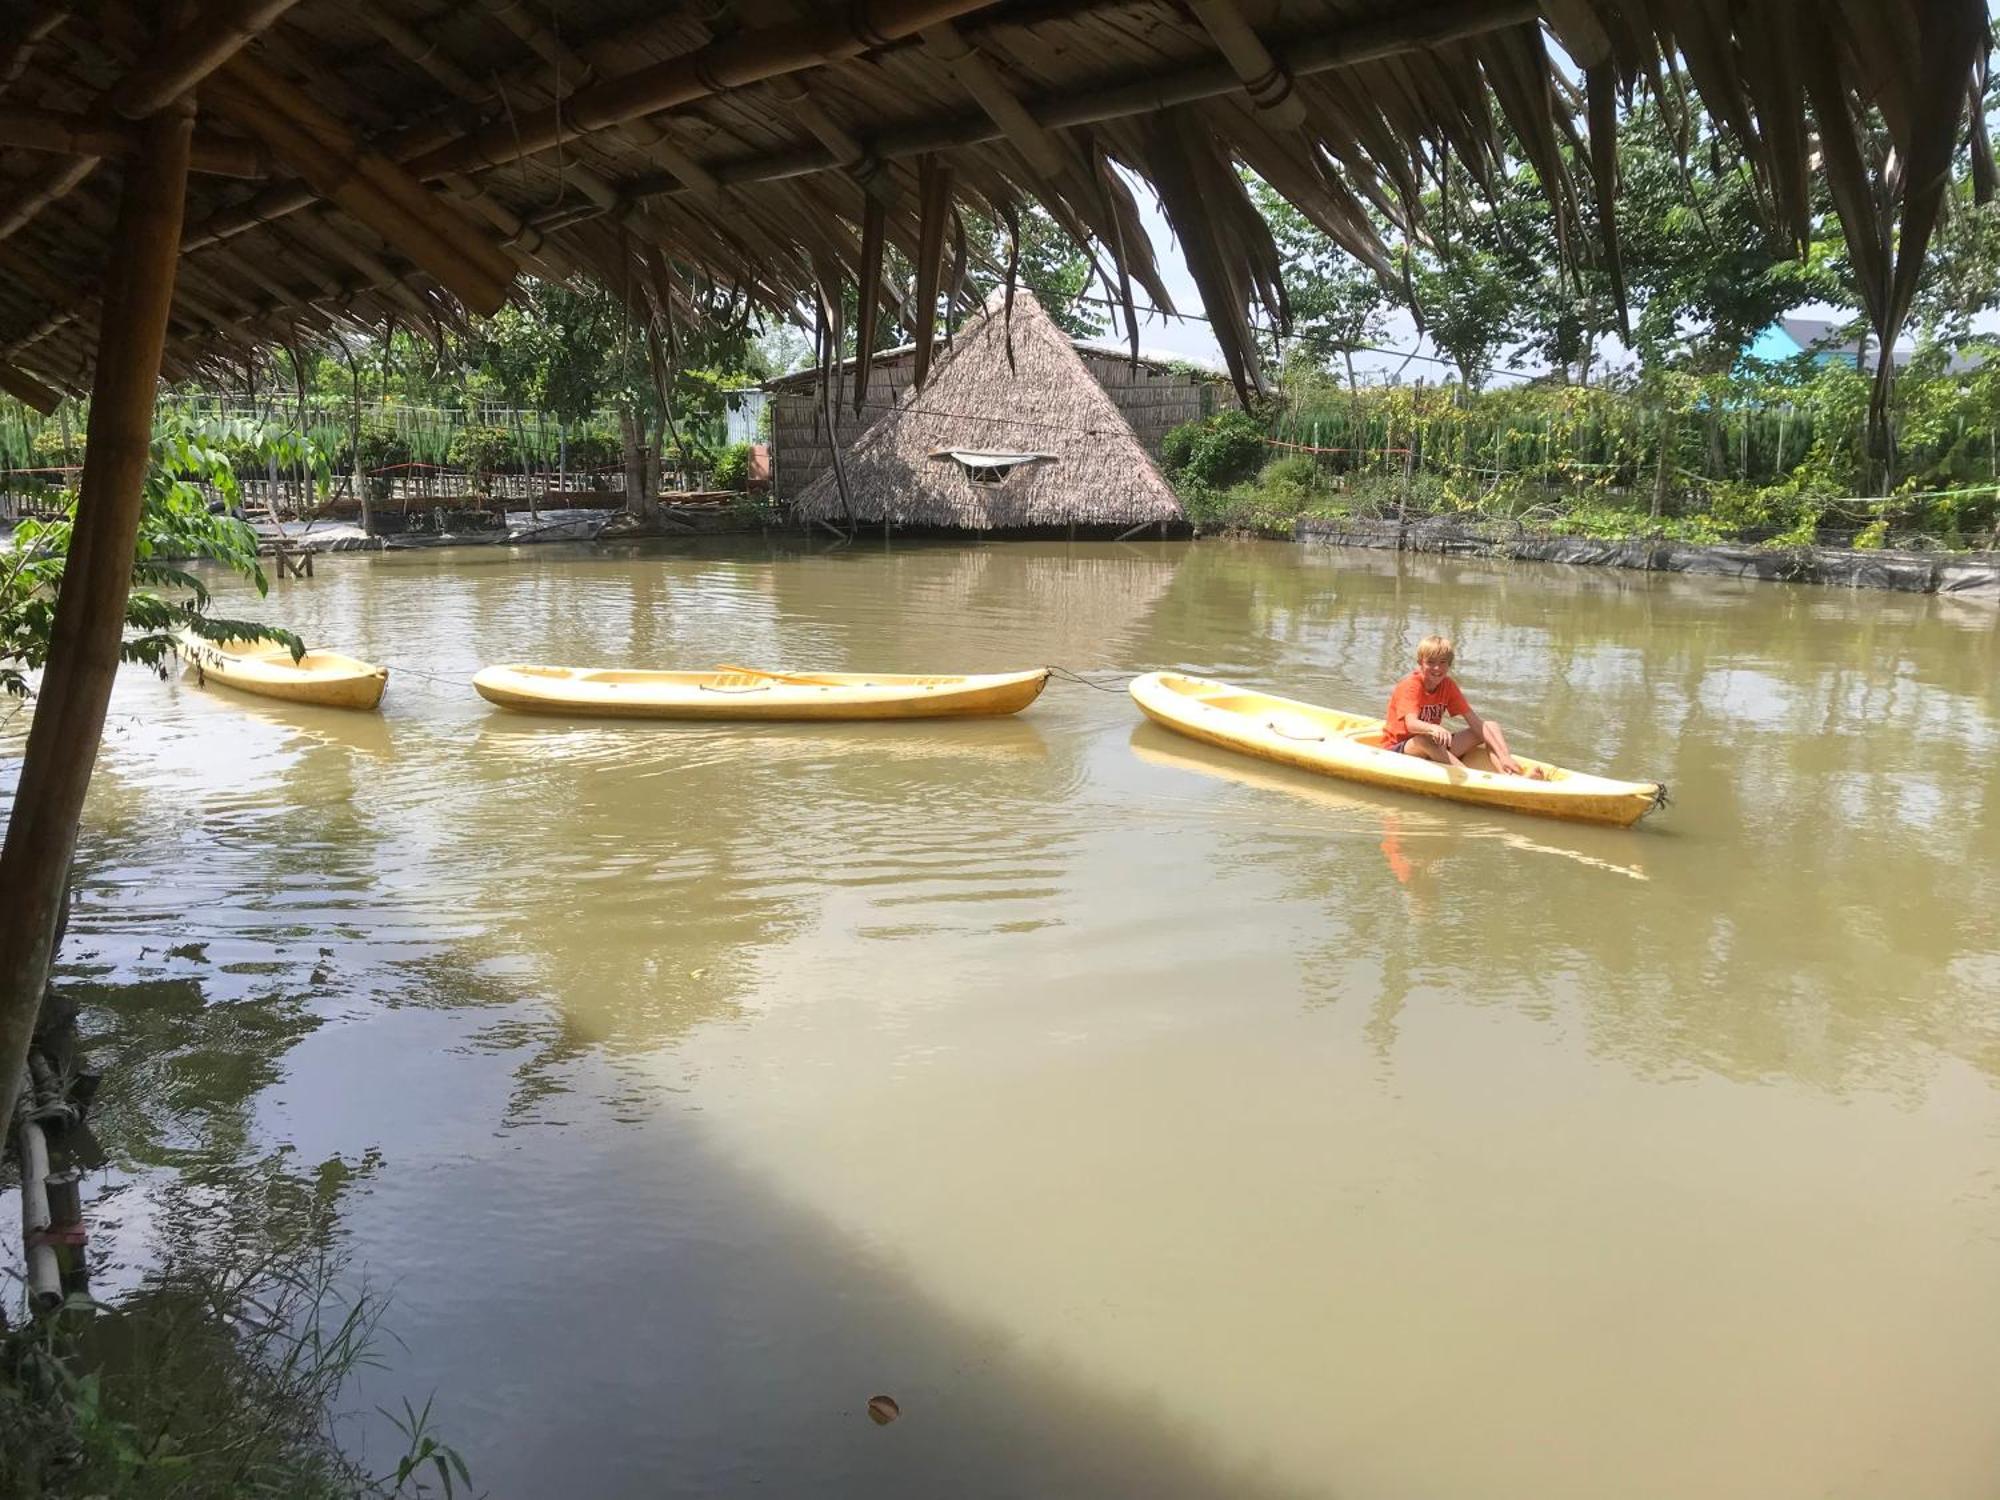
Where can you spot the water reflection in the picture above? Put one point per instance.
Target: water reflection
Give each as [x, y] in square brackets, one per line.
[1406, 823]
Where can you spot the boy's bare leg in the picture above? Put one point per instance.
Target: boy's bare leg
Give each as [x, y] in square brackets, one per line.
[1425, 749]
[1496, 745]
[1473, 751]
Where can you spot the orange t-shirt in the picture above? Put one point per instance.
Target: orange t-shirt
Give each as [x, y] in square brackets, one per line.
[1409, 697]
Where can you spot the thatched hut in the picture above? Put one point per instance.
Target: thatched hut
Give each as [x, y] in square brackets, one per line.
[1155, 395]
[1011, 432]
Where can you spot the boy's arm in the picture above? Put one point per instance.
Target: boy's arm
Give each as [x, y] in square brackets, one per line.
[1425, 730]
[1464, 709]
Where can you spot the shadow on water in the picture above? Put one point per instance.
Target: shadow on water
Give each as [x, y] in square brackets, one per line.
[761, 1330]
[717, 1340]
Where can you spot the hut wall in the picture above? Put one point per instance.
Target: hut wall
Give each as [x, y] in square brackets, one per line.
[1151, 397]
[799, 449]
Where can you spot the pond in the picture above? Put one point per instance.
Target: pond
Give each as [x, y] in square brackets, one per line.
[1143, 1120]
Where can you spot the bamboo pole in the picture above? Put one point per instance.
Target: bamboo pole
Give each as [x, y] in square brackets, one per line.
[190, 54]
[282, 98]
[72, 133]
[90, 611]
[575, 72]
[370, 187]
[41, 23]
[1117, 96]
[978, 77]
[1090, 102]
[1264, 78]
[323, 235]
[39, 191]
[419, 49]
[24, 388]
[749, 57]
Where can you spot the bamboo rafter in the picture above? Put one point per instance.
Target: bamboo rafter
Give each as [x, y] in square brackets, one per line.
[20, 49]
[220, 31]
[68, 133]
[743, 143]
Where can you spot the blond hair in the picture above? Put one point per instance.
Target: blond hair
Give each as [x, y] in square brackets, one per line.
[1434, 648]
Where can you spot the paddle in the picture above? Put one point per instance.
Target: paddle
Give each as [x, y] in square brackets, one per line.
[724, 666]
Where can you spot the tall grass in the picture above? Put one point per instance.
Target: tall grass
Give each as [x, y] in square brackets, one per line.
[209, 1381]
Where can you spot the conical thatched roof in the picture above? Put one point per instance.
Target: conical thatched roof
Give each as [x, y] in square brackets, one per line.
[1009, 385]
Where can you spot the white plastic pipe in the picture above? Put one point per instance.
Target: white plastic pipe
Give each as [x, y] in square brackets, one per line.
[44, 1275]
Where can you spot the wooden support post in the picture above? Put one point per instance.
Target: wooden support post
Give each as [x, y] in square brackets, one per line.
[65, 1235]
[90, 612]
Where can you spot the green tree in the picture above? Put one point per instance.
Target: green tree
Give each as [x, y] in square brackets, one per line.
[177, 523]
[1962, 275]
[1338, 305]
[1704, 271]
[1470, 301]
[575, 351]
[1052, 266]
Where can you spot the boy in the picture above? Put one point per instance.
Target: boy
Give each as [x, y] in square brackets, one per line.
[1414, 724]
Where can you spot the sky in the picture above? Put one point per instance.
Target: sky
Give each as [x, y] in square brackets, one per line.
[1189, 337]
[1186, 337]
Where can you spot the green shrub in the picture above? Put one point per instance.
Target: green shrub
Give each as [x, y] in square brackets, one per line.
[1873, 536]
[732, 470]
[51, 452]
[590, 449]
[1230, 449]
[482, 450]
[1387, 494]
[382, 446]
[1225, 449]
[1177, 445]
[1296, 474]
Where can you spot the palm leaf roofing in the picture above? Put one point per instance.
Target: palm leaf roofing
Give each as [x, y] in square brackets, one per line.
[367, 162]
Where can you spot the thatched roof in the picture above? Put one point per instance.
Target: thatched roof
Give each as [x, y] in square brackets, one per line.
[1007, 386]
[368, 161]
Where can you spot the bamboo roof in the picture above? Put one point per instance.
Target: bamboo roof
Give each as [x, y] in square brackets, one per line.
[1010, 385]
[363, 162]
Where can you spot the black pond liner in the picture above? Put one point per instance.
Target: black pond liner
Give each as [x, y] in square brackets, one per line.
[1966, 575]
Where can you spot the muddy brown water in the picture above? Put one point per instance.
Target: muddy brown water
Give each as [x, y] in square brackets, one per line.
[1141, 1120]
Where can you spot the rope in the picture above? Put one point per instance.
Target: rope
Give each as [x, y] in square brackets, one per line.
[398, 669]
[1309, 448]
[1117, 685]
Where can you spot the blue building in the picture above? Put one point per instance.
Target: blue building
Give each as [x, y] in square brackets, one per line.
[1824, 340]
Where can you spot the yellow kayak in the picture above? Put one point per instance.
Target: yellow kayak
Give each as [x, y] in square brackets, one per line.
[749, 693]
[1350, 746]
[266, 668]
